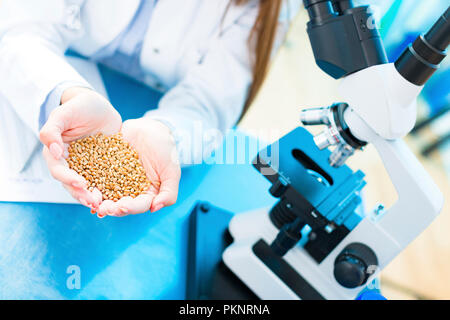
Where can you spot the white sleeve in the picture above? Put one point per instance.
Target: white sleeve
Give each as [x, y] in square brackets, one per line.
[32, 64]
[210, 98]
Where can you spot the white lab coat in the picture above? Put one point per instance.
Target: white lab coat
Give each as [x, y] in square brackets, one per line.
[200, 61]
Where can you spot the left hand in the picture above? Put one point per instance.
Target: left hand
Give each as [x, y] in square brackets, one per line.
[82, 112]
[156, 147]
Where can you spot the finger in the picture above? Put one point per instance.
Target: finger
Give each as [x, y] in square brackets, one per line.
[168, 192]
[126, 206]
[98, 197]
[140, 204]
[84, 196]
[51, 133]
[107, 208]
[60, 170]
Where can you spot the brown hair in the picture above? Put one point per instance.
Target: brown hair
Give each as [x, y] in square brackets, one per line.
[261, 42]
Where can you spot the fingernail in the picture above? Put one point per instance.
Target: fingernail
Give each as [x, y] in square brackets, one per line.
[56, 150]
[66, 154]
[123, 210]
[100, 216]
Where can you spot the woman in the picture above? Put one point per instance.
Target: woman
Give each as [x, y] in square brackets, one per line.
[208, 57]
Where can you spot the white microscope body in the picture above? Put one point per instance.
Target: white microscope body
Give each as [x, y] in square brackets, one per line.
[419, 199]
[381, 111]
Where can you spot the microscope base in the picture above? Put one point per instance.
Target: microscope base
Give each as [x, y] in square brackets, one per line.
[209, 278]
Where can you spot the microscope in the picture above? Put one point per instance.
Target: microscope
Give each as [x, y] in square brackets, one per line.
[315, 243]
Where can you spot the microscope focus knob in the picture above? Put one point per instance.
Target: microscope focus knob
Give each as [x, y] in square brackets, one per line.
[354, 265]
[278, 188]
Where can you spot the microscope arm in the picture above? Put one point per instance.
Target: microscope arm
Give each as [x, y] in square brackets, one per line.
[419, 199]
[382, 109]
[382, 102]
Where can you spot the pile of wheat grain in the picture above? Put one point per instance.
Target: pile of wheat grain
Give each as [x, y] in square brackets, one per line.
[109, 164]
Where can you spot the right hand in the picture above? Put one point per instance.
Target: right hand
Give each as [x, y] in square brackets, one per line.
[83, 112]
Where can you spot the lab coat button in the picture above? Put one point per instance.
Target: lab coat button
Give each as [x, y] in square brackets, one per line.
[156, 50]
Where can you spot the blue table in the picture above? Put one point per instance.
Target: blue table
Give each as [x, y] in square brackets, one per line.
[136, 257]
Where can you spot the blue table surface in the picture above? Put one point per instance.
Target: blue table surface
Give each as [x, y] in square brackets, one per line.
[136, 257]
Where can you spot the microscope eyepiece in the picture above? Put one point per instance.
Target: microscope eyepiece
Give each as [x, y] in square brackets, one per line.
[342, 5]
[439, 35]
[319, 10]
[422, 58]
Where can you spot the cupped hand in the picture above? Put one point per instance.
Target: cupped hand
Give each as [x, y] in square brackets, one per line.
[156, 147]
[83, 112]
